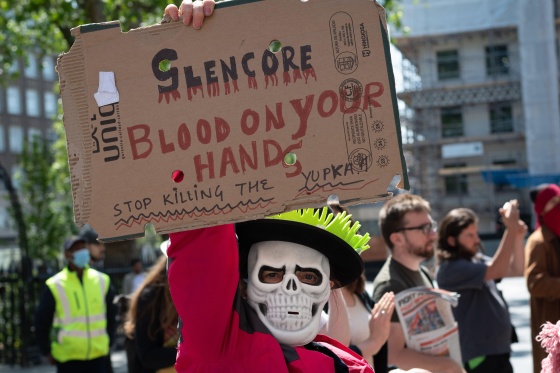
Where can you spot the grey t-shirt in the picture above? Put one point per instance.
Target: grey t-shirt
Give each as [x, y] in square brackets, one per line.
[395, 277]
[482, 314]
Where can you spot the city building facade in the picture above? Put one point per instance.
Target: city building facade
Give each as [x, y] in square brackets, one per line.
[28, 105]
[481, 121]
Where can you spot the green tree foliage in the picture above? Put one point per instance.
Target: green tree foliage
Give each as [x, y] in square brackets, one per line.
[61, 183]
[47, 211]
[393, 9]
[45, 25]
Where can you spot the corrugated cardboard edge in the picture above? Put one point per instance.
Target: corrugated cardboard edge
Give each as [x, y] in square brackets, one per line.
[71, 67]
[404, 182]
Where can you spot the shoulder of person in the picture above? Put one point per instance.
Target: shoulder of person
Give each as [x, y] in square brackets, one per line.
[99, 273]
[458, 266]
[426, 271]
[386, 286]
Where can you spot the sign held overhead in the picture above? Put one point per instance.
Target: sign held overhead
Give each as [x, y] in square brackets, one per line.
[273, 105]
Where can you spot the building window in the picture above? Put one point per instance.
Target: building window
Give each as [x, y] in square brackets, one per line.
[51, 136]
[49, 72]
[16, 139]
[4, 217]
[16, 179]
[51, 104]
[33, 133]
[501, 118]
[31, 68]
[502, 184]
[2, 139]
[448, 64]
[14, 100]
[14, 68]
[370, 226]
[451, 121]
[456, 184]
[32, 104]
[497, 60]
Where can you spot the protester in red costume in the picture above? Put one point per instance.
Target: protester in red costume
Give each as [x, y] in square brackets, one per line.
[269, 323]
[253, 302]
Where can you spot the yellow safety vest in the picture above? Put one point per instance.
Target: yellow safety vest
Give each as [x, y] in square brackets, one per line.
[80, 319]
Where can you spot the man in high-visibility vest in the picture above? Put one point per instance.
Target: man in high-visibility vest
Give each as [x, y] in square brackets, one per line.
[75, 321]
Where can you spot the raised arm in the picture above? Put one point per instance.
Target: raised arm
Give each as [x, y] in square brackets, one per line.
[517, 263]
[203, 279]
[500, 265]
[379, 325]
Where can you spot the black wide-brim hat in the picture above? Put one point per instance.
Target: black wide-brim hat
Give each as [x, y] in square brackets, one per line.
[345, 263]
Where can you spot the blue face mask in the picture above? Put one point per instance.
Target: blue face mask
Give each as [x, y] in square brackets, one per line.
[81, 258]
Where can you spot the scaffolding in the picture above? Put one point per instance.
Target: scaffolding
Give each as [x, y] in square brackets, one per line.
[497, 70]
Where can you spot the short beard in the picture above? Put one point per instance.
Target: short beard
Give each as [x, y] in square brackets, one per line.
[421, 252]
[464, 253]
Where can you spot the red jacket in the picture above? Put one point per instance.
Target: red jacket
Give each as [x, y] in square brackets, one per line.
[220, 332]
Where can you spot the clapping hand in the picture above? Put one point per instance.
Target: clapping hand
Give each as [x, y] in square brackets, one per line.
[380, 322]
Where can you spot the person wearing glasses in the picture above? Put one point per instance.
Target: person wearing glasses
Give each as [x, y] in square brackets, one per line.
[485, 329]
[410, 234]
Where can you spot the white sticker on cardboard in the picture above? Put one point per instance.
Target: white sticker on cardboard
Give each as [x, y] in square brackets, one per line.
[107, 92]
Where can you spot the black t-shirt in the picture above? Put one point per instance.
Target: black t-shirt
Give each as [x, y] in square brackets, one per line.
[395, 277]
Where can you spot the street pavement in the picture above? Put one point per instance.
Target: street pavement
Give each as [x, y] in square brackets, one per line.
[517, 296]
[515, 292]
[118, 359]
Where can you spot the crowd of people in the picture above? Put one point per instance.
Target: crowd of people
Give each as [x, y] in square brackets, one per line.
[287, 293]
[284, 263]
[298, 298]
[297, 294]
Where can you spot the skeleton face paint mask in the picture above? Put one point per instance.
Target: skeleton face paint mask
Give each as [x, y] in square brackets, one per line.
[288, 286]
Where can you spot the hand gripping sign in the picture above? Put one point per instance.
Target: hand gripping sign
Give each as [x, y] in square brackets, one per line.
[273, 105]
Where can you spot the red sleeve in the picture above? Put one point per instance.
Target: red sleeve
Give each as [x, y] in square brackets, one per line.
[203, 277]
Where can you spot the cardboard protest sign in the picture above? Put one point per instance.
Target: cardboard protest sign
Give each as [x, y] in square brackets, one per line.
[273, 105]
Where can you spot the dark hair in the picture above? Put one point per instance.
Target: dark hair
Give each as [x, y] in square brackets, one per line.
[358, 286]
[161, 309]
[392, 213]
[452, 225]
[134, 261]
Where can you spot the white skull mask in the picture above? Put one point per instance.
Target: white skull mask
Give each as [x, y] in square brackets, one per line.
[288, 286]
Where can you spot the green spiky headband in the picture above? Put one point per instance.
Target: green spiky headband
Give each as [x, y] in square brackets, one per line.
[340, 225]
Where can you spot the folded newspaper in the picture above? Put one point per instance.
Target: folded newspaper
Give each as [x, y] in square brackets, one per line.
[427, 321]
